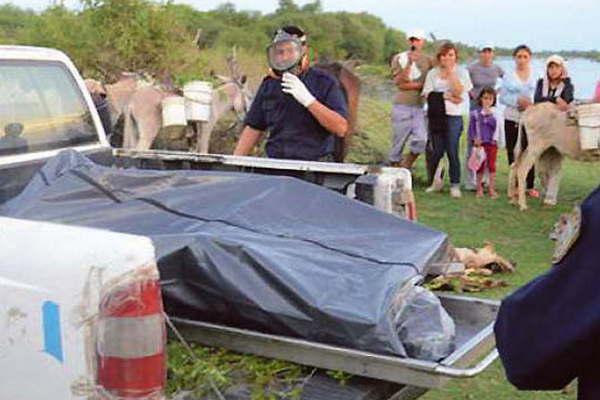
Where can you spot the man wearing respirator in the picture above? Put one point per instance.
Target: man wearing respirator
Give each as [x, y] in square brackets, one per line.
[301, 107]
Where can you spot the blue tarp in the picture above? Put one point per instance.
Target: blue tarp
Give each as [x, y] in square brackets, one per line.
[272, 254]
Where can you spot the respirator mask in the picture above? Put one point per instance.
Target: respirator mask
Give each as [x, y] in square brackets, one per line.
[285, 53]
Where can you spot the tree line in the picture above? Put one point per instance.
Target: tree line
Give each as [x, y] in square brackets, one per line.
[106, 36]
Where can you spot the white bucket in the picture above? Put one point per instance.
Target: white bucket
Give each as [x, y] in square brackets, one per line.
[589, 137]
[589, 126]
[198, 98]
[173, 111]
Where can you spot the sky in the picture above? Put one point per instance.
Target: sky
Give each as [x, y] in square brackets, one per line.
[542, 24]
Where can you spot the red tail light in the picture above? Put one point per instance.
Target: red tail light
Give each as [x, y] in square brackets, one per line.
[131, 340]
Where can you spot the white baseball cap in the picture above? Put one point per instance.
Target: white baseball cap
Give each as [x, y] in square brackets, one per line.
[417, 34]
[486, 46]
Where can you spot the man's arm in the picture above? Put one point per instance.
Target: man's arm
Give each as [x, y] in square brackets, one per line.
[329, 119]
[248, 139]
[405, 84]
[402, 76]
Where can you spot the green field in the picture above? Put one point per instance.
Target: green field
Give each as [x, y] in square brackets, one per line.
[518, 236]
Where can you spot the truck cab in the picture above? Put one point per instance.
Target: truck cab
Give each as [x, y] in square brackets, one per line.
[81, 313]
[44, 108]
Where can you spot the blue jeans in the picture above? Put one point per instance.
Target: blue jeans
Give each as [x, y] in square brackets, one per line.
[448, 144]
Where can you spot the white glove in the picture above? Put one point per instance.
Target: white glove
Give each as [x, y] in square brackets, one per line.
[291, 84]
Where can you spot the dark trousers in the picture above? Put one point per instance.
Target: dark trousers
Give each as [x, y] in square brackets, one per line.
[511, 130]
[448, 143]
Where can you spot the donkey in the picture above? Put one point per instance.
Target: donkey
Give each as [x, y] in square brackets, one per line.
[134, 101]
[551, 136]
[138, 104]
[232, 94]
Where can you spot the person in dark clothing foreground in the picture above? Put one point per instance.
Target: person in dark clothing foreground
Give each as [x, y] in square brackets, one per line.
[548, 331]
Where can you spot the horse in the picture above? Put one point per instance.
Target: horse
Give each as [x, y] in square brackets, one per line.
[350, 84]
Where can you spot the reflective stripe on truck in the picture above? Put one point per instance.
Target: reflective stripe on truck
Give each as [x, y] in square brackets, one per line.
[131, 344]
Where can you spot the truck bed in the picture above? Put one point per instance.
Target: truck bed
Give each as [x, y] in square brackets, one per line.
[474, 320]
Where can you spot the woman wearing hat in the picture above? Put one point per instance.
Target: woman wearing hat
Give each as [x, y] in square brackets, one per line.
[555, 86]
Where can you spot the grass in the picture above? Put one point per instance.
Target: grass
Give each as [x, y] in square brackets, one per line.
[519, 236]
[262, 378]
[470, 222]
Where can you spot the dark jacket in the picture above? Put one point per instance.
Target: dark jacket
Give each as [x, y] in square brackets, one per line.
[547, 331]
[565, 91]
[436, 113]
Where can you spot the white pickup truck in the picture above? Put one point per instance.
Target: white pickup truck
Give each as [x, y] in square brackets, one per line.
[81, 314]
[80, 309]
[79, 324]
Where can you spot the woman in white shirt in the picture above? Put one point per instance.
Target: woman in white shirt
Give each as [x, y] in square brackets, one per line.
[453, 82]
[516, 93]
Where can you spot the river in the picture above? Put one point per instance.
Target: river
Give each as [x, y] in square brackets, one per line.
[584, 74]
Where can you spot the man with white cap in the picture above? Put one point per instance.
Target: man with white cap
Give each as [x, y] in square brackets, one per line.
[483, 73]
[409, 70]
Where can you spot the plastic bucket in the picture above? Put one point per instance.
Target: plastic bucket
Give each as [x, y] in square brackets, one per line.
[198, 99]
[173, 111]
[589, 137]
[589, 126]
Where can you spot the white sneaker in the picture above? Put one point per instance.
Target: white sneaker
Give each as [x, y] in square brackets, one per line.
[455, 192]
[434, 188]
